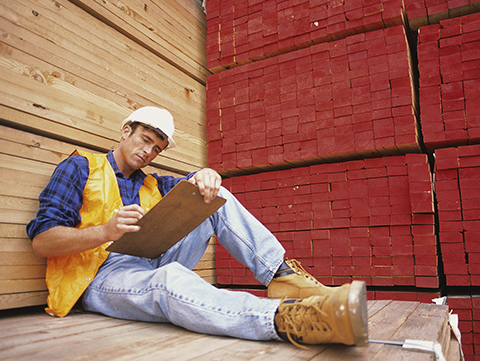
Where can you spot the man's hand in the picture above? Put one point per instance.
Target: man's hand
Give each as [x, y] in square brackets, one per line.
[208, 182]
[124, 222]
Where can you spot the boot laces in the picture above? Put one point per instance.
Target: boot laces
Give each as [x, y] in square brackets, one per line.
[297, 267]
[299, 319]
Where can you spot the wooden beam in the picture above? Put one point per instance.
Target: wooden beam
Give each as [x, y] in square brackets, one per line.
[22, 272]
[166, 29]
[16, 300]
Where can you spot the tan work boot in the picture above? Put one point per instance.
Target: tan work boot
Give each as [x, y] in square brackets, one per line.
[299, 284]
[333, 318]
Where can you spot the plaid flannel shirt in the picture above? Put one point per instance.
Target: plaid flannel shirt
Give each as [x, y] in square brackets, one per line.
[62, 198]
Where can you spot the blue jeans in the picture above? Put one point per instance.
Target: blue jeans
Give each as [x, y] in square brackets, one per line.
[167, 290]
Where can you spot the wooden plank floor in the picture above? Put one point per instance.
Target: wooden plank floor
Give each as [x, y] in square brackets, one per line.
[84, 336]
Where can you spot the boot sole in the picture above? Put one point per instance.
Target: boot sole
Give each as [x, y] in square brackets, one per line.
[357, 312]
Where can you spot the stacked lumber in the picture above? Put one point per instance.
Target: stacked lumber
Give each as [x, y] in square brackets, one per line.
[172, 30]
[334, 162]
[345, 99]
[457, 175]
[449, 64]
[388, 320]
[425, 12]
[70, 72]
[467, 307]
[75, 78]
[370, 219]
[239, 31]
[423, 296]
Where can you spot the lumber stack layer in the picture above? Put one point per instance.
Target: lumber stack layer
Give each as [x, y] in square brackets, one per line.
[68, 75]
[239, 32]
[350, 130]
[70, 72]
[467, 306]
[371, 219]
[449, 64]
[345, 99]
[457, 176]
[122, 339]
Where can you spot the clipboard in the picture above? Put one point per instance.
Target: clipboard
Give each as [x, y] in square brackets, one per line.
[176, 215]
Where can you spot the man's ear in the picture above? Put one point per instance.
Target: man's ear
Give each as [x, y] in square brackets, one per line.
[126, 130]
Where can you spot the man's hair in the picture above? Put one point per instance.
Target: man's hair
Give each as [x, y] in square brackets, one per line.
[134, 126]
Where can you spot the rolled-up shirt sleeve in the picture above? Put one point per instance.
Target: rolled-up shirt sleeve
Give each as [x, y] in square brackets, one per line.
[62, 198]
[166, 183]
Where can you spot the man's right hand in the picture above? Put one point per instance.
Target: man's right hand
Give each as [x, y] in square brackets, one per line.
[124, 221]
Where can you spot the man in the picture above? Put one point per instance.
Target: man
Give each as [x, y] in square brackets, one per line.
[92, 200]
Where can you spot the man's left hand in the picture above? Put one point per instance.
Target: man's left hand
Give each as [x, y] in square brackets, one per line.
[208, 182]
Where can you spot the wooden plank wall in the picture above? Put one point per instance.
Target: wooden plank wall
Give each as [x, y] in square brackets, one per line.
[70, 72]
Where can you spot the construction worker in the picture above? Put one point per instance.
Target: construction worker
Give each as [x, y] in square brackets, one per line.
[92, 200]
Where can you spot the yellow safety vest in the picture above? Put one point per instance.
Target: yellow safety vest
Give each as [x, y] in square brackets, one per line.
[69, 276]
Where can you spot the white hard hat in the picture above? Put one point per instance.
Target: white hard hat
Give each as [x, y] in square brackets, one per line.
[156, 118]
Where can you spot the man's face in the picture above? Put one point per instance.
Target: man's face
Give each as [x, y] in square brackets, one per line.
[138, 148]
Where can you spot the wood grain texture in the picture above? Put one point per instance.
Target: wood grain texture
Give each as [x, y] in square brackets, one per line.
[91, 336]
[63, 65]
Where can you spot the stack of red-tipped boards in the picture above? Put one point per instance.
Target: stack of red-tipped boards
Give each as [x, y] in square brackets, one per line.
[239, 32]
[346, 99]
[369, 219]
[449, 65]
[332, 141]
[457, 176]
[467, 307]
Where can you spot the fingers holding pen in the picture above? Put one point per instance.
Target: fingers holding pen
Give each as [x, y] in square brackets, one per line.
[132, 212]
[129, 215]
[124, 221]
